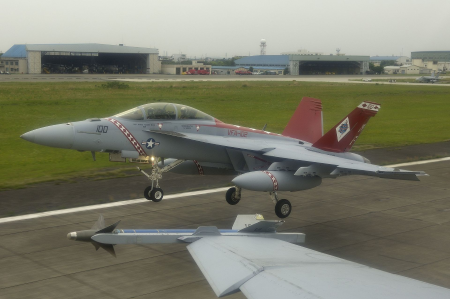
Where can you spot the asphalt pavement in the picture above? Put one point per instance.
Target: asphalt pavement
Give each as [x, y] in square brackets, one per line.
[400, 227]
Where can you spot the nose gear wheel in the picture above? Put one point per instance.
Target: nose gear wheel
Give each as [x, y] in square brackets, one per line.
[156, 194]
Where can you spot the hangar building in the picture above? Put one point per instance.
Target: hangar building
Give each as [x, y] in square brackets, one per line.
[80, 58]
[328, 64]
[264, 63]
[309, 64]
[434, 60]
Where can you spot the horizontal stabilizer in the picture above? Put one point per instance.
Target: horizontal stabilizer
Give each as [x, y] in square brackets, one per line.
[381, 172]
[306, 123]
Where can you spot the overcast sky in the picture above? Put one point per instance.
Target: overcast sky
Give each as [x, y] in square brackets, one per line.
[227, 28]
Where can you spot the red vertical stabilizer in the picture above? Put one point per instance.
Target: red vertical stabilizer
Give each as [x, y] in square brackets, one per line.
[306, 123]
[343, 135]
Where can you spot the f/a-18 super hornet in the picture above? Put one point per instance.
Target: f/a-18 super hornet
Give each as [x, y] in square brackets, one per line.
[254, 258]
[429, 79]
[185, 140]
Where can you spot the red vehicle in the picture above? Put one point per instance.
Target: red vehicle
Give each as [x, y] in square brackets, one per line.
[243, 72]
[197, 72]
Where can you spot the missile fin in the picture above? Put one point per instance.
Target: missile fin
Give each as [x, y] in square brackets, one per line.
[96, 245]
[108, 229]
[100, 224]
[109, 248]
[266, 226]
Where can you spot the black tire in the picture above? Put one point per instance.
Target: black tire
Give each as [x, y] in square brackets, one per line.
[283, 208]
[230, 196]
[157, 194]
[147, 193]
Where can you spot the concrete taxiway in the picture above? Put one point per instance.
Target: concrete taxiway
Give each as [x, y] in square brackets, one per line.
[398, 226]
[210, 78]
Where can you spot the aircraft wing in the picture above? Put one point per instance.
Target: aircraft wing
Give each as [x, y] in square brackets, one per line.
[232, 142]
[343, 166]
[269, 268]
[288, 151]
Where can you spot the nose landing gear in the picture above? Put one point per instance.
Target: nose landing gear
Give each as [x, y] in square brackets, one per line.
[156, 194]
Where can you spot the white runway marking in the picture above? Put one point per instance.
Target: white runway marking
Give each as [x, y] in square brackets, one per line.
[420, 162]
[106, 205]
[173, 196]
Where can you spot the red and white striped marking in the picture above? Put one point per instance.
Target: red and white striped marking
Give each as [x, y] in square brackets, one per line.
[199, 168]
[274, 180]
[129, 136]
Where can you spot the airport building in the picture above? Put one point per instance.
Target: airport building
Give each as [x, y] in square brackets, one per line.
[80, 58]
[405, 70]
[398, 60]
[328, 64]
[438, 61]
[183, 69]
[309, 63]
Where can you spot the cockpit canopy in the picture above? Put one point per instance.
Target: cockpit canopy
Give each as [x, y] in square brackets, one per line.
[164, 111]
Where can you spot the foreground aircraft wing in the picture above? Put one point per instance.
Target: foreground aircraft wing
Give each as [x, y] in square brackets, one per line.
[269, 268]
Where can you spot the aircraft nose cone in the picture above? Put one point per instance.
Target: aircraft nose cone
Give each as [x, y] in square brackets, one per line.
[61, 136]
[72, 236]
[29, 136]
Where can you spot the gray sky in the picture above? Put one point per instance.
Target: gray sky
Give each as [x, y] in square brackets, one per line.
[219, 28]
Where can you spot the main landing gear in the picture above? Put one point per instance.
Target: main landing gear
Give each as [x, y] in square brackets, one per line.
[155, 193]
[283, 207]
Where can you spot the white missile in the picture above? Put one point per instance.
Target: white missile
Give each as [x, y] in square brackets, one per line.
[244, 226]
[276, 181]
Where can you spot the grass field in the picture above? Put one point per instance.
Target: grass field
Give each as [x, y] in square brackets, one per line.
[409, 115]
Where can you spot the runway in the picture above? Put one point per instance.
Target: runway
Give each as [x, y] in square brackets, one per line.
[199, 78]
[396, 226]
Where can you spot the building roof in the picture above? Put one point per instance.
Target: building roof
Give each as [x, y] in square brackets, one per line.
[264, 60]
[20, 51]
[16, 51]
[431, 55]
[377, 58]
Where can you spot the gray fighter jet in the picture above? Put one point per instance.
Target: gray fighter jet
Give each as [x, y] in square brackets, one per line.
[186, 140]
[429, 79]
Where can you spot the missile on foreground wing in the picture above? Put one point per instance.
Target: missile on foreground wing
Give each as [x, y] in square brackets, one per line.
[244, 226]
[276, 181]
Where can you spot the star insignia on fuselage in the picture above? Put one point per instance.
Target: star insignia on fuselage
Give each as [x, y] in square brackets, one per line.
[150, 143]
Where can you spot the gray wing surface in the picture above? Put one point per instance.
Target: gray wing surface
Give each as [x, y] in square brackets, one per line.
[298, 153]
[269, 268]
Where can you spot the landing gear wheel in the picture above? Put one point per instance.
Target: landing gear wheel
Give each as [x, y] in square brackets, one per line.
[283, 208]
[230, 196]
[147, 193]
[156, 194]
